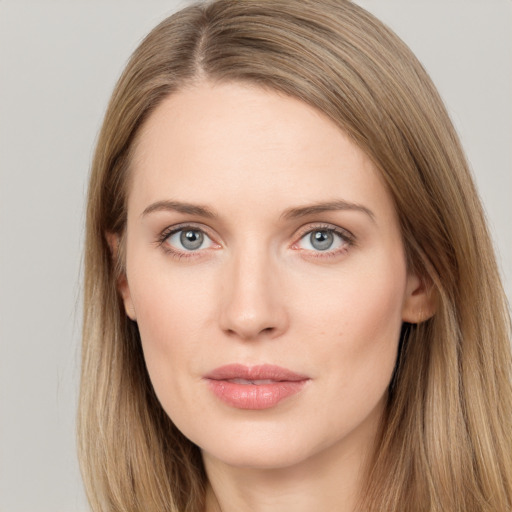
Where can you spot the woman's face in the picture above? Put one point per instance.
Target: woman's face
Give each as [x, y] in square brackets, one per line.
[266, 273]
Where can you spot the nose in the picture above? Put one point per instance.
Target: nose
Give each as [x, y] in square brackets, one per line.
[252, 302]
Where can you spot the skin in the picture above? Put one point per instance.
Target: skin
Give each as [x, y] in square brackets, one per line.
[257, 291]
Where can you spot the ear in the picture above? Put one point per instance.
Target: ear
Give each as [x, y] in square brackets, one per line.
[420, 302]
[113, 241]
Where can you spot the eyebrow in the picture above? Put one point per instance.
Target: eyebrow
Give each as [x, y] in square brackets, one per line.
[289, 214]
[303, 211]
[178, 206]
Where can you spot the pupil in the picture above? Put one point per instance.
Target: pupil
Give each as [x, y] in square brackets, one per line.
[191, 239]
[321, 240]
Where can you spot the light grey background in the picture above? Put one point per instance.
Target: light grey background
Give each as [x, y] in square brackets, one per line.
[59, 61]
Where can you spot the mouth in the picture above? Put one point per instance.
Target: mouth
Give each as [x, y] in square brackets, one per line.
[251, 382]
[254, 387]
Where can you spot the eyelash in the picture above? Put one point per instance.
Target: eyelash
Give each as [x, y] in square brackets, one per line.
[346, 237]
[172, 230]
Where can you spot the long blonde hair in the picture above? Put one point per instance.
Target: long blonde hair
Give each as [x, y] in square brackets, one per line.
[446, 441]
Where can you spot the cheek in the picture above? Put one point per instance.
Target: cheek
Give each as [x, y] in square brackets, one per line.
[367, 294]
[357, 321]
[174, 309]
[165, 300]
[157, 306]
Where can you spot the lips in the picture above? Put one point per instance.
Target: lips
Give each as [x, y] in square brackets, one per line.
[254, 387]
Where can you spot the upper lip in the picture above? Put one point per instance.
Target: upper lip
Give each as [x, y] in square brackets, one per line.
[258, 372]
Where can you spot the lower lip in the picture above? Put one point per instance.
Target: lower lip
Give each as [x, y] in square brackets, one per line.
[254, 396]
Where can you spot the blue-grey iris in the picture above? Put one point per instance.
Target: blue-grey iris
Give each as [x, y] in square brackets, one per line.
[191, 239]
[321, 240]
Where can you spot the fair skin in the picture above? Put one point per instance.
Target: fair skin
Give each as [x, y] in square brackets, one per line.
[228, 262]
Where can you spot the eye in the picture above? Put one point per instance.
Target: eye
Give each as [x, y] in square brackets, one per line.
[187, 239]
[327, 240]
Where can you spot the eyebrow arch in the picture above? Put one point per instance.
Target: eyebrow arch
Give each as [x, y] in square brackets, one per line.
[291, 213]
[302, 211]
[177, 206]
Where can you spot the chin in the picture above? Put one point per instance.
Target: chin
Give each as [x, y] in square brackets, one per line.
[265, 447]
[267, 457]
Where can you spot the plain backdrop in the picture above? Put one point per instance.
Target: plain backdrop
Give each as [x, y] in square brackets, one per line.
[59, 61]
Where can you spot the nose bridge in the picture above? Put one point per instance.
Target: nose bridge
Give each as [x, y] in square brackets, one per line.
[252, 305]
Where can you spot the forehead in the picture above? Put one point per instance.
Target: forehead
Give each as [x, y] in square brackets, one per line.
[217, 142]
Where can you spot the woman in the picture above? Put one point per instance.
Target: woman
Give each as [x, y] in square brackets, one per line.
[291, 299]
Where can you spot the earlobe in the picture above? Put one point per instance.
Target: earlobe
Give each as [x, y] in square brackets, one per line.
[420, 302]
[124, 290]
[122, 281]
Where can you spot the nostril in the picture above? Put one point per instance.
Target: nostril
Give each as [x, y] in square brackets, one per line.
[251, 333]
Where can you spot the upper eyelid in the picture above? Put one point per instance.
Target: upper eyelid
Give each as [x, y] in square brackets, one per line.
[169, 230]
[308, 228]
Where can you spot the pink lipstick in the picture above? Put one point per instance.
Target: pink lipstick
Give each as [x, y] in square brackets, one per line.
[254, 387]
